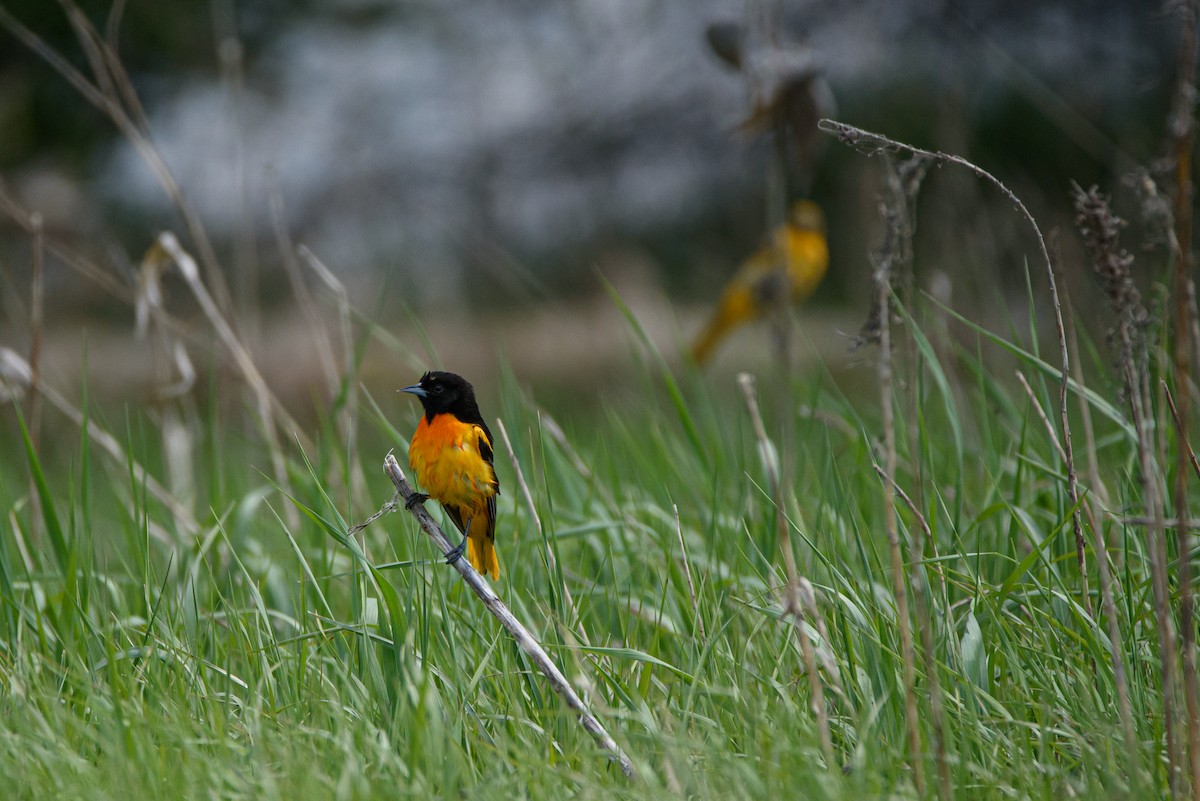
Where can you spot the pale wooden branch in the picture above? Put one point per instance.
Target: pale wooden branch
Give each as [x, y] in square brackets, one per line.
[509, 621]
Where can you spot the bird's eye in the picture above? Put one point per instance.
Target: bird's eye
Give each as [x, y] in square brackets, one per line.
[436, 389]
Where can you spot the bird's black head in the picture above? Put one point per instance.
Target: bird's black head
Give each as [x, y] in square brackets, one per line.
[446, 392]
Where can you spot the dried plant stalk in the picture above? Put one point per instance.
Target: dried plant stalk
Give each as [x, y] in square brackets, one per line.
[922, 601]
[792, 606]
[874, 144]
[1100, 231]
[883, 289]
[1182, 125]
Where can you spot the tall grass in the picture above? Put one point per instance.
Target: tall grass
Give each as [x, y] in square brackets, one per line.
[186, 612]
[253, 658]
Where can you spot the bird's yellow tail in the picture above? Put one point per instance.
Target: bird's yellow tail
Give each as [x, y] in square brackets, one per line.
[482, 555]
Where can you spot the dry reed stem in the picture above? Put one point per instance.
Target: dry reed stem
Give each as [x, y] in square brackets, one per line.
[1108, 582]
[883, 290]
[1037, 408]
[551, 427]
[873, 144]
[922, 601]
[1100, 230]
[1182, 125]
[501, 612]
[1186, 457]
[890, 260]
[792, 606]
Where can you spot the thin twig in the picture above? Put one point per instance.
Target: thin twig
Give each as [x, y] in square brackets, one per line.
[501, 612]
[1037, 408]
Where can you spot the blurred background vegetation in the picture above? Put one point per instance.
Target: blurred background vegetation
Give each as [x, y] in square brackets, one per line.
[489, 166]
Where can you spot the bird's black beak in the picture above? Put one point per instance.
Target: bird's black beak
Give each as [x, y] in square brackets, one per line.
[416, 389]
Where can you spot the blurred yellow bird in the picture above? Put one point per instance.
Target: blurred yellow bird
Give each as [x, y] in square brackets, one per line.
[786, 270]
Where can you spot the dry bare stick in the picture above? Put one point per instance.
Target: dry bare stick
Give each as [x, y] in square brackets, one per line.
[1183, 531]
[883, 288]
[792, 606]
[537, 521]
[1100, 230]
[13, 365]
[1182, 125]
[872, 144]
[509, 621]
[687, 571]
[1186, 444]
[922, 601]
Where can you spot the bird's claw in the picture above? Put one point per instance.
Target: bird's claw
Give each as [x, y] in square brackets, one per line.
[414, 499]
[456, 552]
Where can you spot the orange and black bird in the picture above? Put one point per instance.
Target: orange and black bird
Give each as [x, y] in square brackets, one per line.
[786, 270]
[451, 454]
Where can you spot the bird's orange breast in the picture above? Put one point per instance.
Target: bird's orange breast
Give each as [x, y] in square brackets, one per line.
[446, 457]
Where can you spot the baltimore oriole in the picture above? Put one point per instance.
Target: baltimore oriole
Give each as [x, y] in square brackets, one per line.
[451, 454]
[785, 271]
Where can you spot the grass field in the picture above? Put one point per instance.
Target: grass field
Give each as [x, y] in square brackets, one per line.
[200, 630]
[953, 573]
